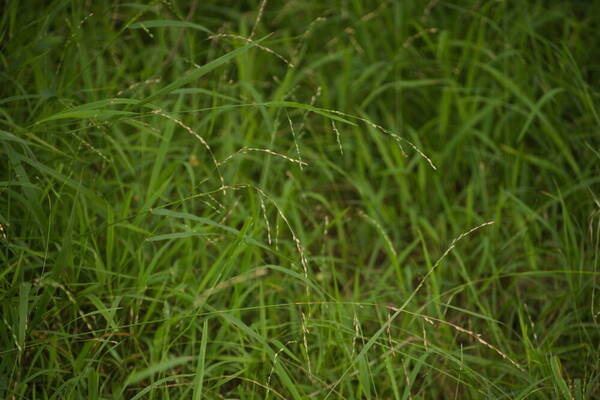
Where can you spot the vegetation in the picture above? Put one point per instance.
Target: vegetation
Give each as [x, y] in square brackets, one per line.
[300, 199]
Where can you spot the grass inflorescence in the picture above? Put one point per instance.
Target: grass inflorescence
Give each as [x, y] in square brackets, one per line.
[303, 199]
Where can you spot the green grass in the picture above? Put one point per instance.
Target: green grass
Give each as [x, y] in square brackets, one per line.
[349, 199]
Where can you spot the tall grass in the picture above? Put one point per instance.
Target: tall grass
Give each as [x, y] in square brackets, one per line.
[327, 199]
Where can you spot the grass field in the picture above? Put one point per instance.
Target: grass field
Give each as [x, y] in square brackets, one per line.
[346, 199]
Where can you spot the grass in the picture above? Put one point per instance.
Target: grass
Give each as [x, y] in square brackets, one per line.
[264, 199]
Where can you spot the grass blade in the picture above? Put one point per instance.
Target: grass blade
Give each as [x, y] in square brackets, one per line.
[138, 376]
[23, 313]
[165, 23]
[197, 73]
[200, 366]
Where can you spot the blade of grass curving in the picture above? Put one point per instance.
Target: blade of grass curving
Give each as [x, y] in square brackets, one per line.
[86, 114]
[157, 384]
[281, 372]
[413, 375]
[197, 73]
[207, 221]
[176, 235]
[167, 23]
[321, 111]
[138, 376]
[535, 110]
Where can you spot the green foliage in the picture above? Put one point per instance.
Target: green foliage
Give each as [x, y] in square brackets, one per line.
[328, 199]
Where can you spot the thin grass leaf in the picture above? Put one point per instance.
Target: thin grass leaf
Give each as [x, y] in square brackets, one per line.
[9, 136]
[281, 372]
[165, 23]
[138, 376]
[176, 235]
[206, 221]
[321, 111]
[23, 313]
[158, 384]
[200, 366]
[413, 375]
[87, 114]
[197, 73]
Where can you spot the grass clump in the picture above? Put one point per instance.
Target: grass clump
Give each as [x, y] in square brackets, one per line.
[266, 199]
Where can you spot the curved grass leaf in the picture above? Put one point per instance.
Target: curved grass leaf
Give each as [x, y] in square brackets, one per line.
[165, 23]
[85, 114]
[206, 221]
[138, 376]
[197, 73]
